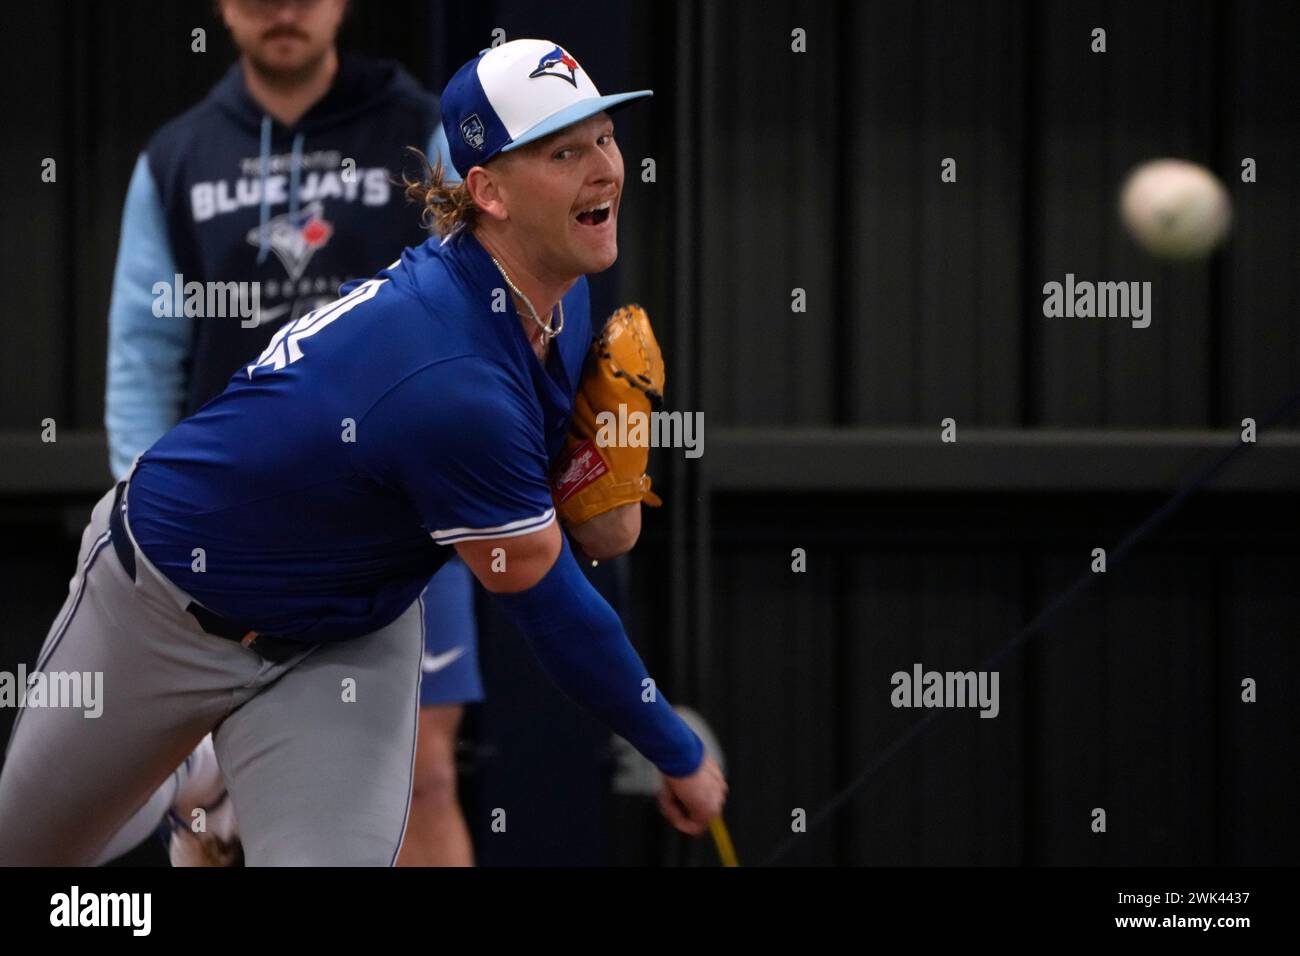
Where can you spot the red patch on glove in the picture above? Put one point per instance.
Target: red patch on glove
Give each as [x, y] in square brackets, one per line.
[581, 467]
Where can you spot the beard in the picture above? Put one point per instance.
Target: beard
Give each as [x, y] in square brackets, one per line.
[274, 74]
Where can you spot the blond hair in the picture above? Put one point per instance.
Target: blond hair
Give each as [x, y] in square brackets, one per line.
[444, 206]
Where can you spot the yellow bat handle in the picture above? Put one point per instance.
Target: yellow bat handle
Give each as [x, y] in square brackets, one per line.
[722, 840]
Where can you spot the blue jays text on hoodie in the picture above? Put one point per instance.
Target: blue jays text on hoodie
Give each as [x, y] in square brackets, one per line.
[225, 193]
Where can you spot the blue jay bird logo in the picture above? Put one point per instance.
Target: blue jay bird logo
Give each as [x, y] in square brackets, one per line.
[557, 63]
[294, 238]
[474, 132]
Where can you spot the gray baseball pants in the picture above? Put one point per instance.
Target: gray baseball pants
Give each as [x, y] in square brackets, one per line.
[316, 778]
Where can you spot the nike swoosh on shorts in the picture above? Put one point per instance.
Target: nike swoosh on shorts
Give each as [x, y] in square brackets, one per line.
[432, 663]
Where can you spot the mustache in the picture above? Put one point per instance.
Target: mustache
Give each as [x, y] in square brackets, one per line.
[283, 31]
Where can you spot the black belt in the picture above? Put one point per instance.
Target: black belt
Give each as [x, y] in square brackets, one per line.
[277, 649]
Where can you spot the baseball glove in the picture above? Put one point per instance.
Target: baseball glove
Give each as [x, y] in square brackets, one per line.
[599, 468]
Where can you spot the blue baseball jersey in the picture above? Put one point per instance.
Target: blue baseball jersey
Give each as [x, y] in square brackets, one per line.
[311, 497]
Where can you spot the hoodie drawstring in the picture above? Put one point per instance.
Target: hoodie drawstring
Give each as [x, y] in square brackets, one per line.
[295, 162]
[264, 216]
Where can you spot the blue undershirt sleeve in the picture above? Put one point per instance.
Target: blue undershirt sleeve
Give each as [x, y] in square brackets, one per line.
[580, 643]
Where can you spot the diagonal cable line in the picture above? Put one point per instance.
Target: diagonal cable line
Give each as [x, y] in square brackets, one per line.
[1194, 482]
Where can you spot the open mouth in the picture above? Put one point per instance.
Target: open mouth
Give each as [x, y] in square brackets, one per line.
[596, 215]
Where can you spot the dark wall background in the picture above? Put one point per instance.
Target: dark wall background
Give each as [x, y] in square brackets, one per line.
[820, 170]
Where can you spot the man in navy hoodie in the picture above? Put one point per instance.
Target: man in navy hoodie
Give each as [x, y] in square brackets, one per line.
[282, 181]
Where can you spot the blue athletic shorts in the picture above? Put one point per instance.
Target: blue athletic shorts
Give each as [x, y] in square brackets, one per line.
[450, 666]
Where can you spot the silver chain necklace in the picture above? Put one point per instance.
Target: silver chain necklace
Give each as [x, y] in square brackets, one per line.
[548, 332]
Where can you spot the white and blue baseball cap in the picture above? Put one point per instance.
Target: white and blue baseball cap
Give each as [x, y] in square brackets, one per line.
[514, 94]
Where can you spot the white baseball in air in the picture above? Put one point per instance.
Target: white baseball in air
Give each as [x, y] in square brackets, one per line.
[1175, 209]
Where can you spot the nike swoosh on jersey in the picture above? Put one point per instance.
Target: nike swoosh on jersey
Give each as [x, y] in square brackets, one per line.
[432, 663]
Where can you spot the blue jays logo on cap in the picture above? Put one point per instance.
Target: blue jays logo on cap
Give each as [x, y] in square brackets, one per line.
[492, 105]
[474, 132]
[557, 63]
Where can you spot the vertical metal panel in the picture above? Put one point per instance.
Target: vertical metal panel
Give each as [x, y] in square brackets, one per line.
[1261, 335]
[1103, 113]
[37, 298]
[38, 562]
[953, 798]
[881, 199]
[684, 593]
[1125, 721]
[764, 164]
[952, 93]
[775, 645]
[1260, 740]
